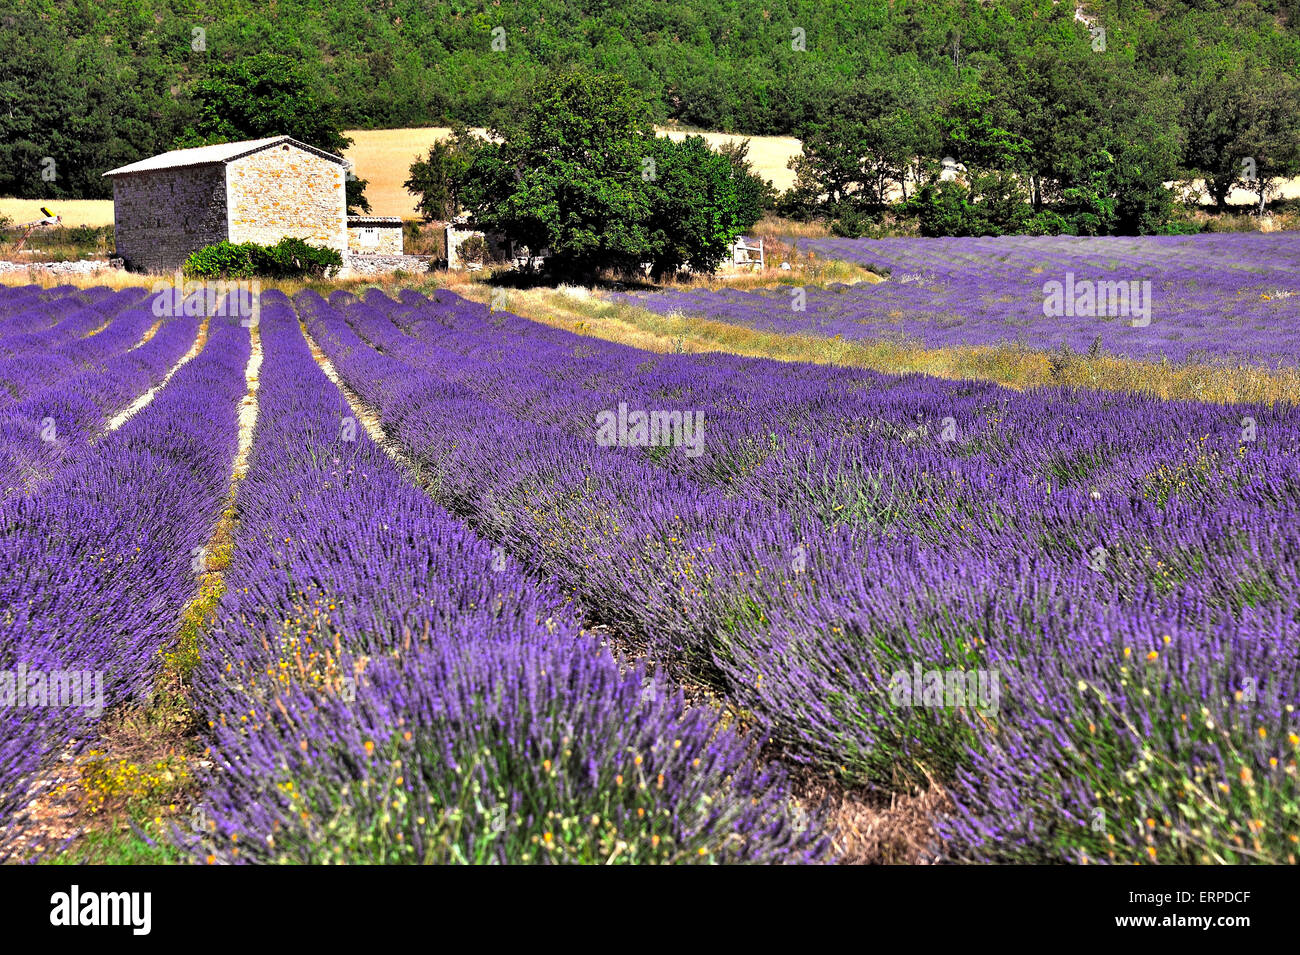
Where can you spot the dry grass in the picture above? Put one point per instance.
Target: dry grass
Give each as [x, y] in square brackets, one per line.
[877, 828]
[112, 278]
[775, 227]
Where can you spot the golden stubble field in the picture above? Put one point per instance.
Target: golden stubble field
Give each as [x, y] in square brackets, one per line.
[93, 212]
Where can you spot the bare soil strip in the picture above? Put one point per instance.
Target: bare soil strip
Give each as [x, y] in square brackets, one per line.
[368, 419]
[153, 330]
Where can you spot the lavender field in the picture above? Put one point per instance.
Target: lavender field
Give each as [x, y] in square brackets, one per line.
[505, 593]
[1218, 298]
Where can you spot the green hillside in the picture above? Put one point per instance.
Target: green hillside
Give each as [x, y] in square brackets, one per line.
[96, 85]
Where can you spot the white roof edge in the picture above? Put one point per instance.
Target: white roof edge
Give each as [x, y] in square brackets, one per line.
[211, 155]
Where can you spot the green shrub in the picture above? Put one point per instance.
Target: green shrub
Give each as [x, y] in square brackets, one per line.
[294, 258]
[287, 259]
[1181, 225]
[851, 221]
[474, 249]
[222, 260]
[953, 208]
[1048, 222]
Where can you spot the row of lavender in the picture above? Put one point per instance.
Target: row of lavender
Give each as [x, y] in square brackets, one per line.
[97, 563]
[75, 340]
[1115, 576]
[384, 687]
[1208, 298]
[64, 396]
[32, 307]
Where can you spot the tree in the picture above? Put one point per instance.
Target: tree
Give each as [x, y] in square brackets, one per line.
[268, 95]
[1243, 129]
[864, 146]
[569, 177]
[583, 176]
[1273, 134]
[263, 95]
[993, 203]
[355, 190]
[980, 131]
[694, 207]
[1099, 139]
[1218, 129]
[70, 110]
[438, 179]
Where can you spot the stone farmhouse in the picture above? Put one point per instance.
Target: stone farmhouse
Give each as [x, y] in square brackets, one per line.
[261, 190]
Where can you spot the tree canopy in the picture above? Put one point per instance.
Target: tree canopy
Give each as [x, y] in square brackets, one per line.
[582, 175]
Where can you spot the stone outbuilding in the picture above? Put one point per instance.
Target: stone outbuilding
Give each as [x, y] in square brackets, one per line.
[261, 190]
[375, 235]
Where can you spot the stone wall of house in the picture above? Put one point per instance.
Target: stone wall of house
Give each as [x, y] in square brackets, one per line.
[375, 240]
[284, 192]
[160, 217]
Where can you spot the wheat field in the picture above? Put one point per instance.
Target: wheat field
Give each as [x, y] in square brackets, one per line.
[92, 212]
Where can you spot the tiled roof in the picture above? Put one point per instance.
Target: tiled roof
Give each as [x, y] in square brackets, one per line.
[374, 220]
[207, 155]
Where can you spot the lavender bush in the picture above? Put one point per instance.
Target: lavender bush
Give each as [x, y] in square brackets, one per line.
[54, 423]
[1076, 612]
[97, 564]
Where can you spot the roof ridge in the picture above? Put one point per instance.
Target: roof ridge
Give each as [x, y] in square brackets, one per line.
[216, 153]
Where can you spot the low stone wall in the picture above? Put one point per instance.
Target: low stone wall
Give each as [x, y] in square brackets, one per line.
[356, 264]
[497, 247]
[79, 267]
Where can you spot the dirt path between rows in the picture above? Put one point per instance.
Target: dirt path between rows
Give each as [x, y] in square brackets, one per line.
[144, 339]
[369, 420]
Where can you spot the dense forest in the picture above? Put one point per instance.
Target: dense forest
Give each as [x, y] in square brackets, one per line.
[93, 86]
